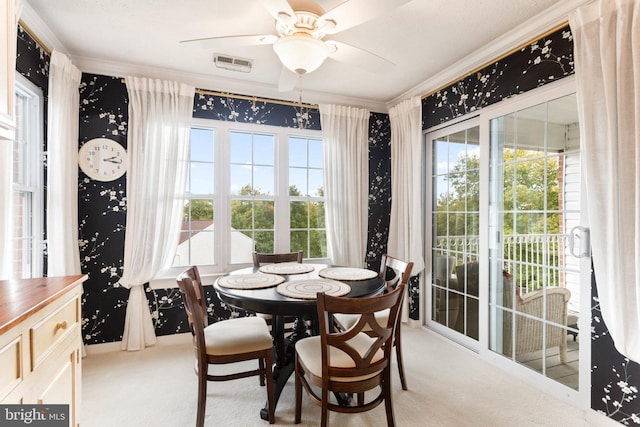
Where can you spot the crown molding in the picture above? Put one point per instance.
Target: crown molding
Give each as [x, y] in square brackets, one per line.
[518, 36]
[32, 20]
[220, 84]
[521, 34]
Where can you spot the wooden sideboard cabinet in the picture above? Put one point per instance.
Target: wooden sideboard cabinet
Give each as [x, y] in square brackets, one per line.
[41, 342]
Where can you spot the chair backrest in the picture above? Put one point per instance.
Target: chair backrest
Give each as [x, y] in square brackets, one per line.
[394, 271]
[469, 273]
[442, 268]
[265, 258]
[369, 352]
[529, 329]
[194, 305]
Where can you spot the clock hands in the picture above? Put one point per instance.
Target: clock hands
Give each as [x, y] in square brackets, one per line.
[113, 159]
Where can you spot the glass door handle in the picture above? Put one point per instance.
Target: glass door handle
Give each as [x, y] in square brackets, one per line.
[579, 242]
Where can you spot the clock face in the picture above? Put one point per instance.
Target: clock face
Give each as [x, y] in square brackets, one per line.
[103, 159]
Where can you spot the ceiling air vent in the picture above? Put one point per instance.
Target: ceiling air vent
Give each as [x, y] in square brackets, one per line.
[230, 63]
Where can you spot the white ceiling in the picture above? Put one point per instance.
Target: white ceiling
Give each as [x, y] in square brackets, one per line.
[424, 38]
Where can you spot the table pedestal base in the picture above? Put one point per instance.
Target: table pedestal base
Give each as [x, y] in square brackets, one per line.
[284, 350]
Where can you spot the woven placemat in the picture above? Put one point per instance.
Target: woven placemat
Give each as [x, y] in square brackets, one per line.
[347, 273]
[250, 281]
[307, 289]
[286, 268]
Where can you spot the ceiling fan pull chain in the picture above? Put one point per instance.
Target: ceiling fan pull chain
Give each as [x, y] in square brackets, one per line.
[301, 117]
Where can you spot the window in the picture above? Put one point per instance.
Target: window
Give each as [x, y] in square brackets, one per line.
[27, 209]
[263, 188]
[306, 197]
[196, 244]
[252, 190]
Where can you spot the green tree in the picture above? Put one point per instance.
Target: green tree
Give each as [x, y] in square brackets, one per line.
[306, 217]
[200, 209]
[254, 218]
[530, 200]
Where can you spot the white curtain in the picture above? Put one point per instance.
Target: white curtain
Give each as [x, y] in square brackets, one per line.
[345, 135]
[405, 229]
[62, 171]
[607, 58]
[158, 148]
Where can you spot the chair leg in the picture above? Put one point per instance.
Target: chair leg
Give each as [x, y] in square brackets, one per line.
[386, 390]
[298, 390]
[270, 391]
[324, 416]
[563, 352]
[398, 345]
[202, 395]
[261, 367]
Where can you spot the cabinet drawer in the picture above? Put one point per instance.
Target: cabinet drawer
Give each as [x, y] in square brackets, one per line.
[51, 330]
[11, 362]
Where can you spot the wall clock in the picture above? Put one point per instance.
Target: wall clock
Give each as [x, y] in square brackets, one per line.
[102, 159]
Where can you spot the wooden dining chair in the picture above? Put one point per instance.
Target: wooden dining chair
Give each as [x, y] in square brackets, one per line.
[226, 341]
[349, 362]
[394, 272]
[272, 258]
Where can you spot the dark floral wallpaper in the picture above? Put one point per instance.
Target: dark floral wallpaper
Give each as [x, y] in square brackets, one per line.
[230, 109]
[615, 379]
[32, 61]
[102, 206]
[541, 62]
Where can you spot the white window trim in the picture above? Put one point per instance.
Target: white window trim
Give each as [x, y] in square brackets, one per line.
[166, 278]
[36, 159]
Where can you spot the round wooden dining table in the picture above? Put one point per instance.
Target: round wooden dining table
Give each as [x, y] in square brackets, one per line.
[269, 301]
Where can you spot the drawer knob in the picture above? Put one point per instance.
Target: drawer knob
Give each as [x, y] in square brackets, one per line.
[60, 325]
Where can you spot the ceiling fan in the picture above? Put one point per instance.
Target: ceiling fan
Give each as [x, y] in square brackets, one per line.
[301, 40]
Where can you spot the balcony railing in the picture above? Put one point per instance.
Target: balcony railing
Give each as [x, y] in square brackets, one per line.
[535, 260]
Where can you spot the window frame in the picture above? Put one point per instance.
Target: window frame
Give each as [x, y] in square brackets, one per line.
[33, 134]
[222, 196]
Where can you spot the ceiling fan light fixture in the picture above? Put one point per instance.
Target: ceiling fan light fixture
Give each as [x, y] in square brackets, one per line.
[300, 52]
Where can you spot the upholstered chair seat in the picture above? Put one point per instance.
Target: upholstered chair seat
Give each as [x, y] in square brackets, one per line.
[233, 336]
[310, 354]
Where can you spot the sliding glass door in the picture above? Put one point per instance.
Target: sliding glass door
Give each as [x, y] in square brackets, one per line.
[534, 203]
[455, 230]
[510, 262]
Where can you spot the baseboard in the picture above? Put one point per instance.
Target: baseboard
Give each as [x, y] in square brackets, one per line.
[162, 340]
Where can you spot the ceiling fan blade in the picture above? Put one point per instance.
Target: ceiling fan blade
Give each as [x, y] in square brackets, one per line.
[233, 41]
[288, 80]
[276, 7]
[361, 58]
[355, 12]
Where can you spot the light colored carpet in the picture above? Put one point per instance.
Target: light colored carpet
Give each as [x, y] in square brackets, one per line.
[448, 386]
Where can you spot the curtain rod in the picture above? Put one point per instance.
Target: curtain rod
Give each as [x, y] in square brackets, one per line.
[34, 37]
[251, 98]
[499, 58]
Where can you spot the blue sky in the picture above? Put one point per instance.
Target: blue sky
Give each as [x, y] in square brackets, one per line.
[252, 156]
